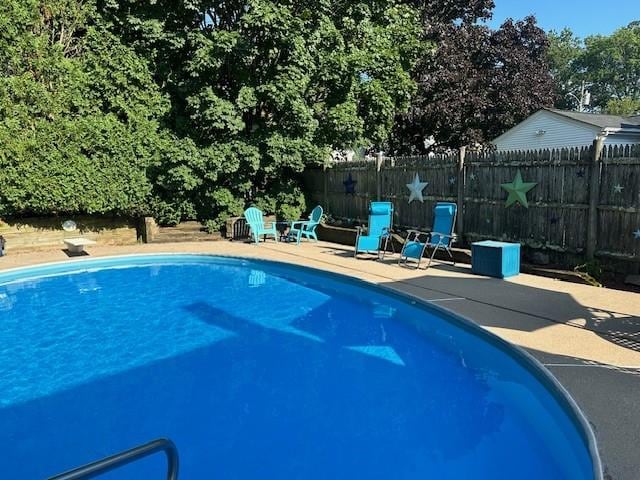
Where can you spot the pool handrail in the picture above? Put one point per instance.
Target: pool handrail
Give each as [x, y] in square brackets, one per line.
[99, 467]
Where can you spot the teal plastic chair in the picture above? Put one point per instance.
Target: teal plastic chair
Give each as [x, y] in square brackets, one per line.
[307, 228]
[255, 220]
[440, 238]
[378, 230]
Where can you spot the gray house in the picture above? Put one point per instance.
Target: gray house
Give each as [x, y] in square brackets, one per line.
[550, 128]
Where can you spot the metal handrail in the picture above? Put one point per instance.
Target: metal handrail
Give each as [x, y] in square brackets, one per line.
[107, 464]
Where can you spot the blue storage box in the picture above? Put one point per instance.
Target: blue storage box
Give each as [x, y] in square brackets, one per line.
[495, 259]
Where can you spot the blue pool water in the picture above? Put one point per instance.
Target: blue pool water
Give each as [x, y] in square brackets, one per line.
[262, 371]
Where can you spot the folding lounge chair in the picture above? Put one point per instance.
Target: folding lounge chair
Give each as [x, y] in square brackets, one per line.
[307, 228]
[255, 219]
[378, 230]
[440, 238]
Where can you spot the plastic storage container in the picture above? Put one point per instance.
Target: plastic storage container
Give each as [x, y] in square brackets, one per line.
[495, 259]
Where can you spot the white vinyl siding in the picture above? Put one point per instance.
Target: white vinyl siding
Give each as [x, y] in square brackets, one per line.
[559, 133]
[622, 139]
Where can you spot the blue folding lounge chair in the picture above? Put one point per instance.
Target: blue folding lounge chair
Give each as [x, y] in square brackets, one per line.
[255, 219]
[307, 228]
[440, 238]
[378, 230]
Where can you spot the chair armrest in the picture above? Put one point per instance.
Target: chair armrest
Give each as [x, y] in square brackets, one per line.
[446, 235]
[299, 222]
[452, 236]
[416, 235]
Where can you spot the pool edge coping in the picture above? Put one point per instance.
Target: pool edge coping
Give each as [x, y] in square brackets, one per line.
[528, 361]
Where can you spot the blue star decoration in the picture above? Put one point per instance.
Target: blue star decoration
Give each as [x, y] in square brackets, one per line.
[452, 180]
[517, 191]
[636, 234]
[580, 173]
[350, 185]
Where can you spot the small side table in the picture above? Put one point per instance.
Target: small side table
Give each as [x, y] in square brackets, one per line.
[495, 259]
[283, 230]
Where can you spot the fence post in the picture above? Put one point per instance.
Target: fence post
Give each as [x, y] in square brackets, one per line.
[325, 189]
[594, 197]
[379, 160]
[461, 182]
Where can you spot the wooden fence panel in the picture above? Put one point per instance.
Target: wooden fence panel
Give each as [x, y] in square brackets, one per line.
[619, 202]
[558, 211]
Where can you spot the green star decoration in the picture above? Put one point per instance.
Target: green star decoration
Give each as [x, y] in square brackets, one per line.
[518, 191]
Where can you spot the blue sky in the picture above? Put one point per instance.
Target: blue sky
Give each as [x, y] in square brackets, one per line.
[584, 17]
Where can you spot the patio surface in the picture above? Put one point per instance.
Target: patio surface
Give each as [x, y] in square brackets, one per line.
[588, 337]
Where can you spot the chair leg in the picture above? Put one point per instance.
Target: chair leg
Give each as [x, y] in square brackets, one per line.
[384, 251]
[433, 254]
[451, 255]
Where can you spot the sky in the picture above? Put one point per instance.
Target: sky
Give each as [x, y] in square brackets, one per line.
[584, 17]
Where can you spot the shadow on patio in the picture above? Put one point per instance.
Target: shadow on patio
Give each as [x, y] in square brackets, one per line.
[522, 307]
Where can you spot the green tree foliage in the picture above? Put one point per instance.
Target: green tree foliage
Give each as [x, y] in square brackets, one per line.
[610, 65]
[564, 50]
[261, 89]
[191, 109]
[479, 82]
[79, 114]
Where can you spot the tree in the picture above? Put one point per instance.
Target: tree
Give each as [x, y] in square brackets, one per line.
[609, 65]
[191, 109]
[478, 83]
[612, 65]
[565, 49]
[79, 114]
[261, 89]
[624, 106]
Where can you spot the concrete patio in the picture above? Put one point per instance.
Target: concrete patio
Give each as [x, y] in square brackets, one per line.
[589, 338]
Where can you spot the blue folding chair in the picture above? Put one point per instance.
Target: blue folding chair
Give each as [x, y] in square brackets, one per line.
[378, 230]
[440, 238]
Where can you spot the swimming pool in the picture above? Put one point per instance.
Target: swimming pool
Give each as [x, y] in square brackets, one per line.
[260, 370]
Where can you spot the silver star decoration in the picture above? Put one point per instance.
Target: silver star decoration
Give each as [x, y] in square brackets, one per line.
[618, 188]
[416, 187]
[452, 180]
[637, 234]
[472, 177]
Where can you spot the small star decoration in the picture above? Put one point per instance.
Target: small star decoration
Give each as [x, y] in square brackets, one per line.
[618, 188]
[416, 187]
[518, 191]
[580, 173]
[472, 177]
[350, 185]
[452, 180]
[637, 234]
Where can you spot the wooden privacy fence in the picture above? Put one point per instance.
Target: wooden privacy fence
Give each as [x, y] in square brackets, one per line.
[586, 201]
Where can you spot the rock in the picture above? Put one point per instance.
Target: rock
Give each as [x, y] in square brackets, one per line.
[632, 280]
[540, 258]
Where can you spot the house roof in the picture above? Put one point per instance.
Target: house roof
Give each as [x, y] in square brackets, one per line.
[599, 120]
